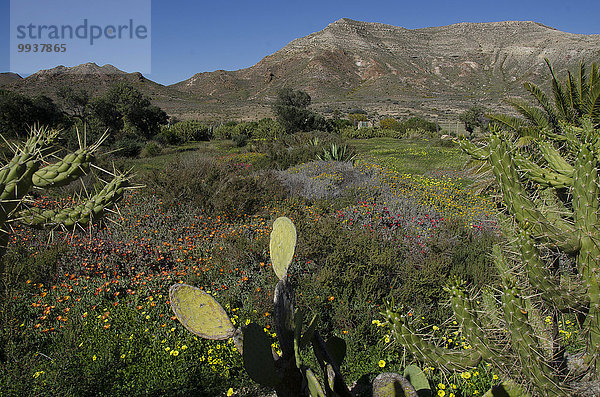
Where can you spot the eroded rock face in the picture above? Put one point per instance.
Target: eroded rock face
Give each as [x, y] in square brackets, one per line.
[374, 66]
[8, 78]
[366, 59]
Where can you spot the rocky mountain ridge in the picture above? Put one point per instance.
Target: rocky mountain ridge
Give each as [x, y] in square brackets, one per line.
[381, 68]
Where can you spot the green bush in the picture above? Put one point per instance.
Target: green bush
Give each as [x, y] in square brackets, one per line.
[240, 140]
[419, 125]
[369, 132]
[151, 149]
[247, 195]
[390, 123]
[268, 129]
[225, 131]
[216, 186]
[129, 147]
[168, 136]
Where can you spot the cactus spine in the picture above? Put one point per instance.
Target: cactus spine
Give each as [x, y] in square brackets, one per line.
[23, 173]
[551, 190]
[286, 373]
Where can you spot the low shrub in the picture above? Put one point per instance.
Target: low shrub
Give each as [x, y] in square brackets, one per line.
[268, 129]
[151, 149]
[240, 140]
[369, 132]
[184, 131]
[246, 195]
[217, 186]
[225, 130]
[129, 147]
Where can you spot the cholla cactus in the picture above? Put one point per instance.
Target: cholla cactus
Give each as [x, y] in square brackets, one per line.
[550, 188]
[202, 315]
[24, 172]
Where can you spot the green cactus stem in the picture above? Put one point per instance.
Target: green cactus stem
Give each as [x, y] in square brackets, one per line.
[200, 313]
[282, 245]
[70, 168]
[82, 214]
[389, 384]
[418, 380]
[23, 172]
[450, 360]
[555, 160]
[526, 344]
[476, 152]
[258, 356]
[518, 203]
[556, 295]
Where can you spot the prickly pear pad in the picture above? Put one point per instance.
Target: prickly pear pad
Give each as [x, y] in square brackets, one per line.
[282, 246]
[200, 313]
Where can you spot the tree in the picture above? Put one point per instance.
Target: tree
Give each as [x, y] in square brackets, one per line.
[291, 109]
[575, 99]
[75, 103]
[18, 113]
[125, 109]
[475, 117]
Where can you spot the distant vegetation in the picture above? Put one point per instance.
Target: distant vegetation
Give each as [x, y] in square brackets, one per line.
[123, 111]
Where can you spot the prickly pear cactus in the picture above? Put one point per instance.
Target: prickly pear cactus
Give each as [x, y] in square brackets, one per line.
[286, 373]
[200, 313]
[282, 245]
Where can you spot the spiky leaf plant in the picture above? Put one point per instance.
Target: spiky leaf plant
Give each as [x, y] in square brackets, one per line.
[337, 152]
[551, 190]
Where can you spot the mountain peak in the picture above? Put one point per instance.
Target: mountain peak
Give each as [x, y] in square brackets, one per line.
[8, 78]
[84, 68]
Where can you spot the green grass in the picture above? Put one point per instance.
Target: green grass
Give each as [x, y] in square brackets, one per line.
[418, 157]
[212, 148]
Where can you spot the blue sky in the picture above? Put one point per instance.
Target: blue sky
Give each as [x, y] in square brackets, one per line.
[188, 37]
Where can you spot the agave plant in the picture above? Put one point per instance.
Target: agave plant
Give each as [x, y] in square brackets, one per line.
[337, 152]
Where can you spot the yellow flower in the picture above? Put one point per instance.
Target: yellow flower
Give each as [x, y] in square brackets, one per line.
[183, 347]
[494, 377]
[230, 392]
[174, 353]
[441, 393]
[441, 386]
[94, 358]
[381, 363]
[465, 375]
[387, 339]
